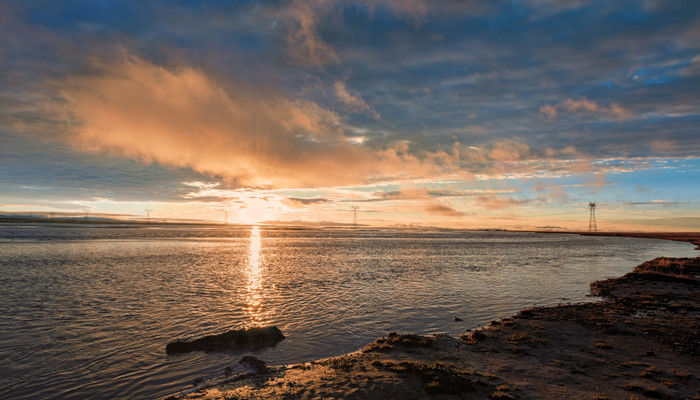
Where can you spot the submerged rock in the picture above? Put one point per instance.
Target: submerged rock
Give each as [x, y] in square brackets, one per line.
[235, 339]
[253, 364]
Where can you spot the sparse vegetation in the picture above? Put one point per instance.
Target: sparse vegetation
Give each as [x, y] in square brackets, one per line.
[629, 364]
[650, 372]
[501, 395]
[684, 375]
[668, 383]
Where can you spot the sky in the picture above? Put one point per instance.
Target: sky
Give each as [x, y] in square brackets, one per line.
[460, 114]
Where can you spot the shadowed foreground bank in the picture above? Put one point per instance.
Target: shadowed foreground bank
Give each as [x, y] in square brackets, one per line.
[642, 341]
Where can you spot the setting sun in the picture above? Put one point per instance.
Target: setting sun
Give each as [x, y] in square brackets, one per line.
[256, 210]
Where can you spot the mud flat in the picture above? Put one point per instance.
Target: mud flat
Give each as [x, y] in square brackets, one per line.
[642, 340]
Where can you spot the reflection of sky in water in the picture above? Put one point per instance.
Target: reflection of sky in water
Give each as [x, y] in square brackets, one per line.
[254, 279]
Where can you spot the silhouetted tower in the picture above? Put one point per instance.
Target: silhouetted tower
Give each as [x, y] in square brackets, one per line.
[225, 216]
[354, 216]
[148, 214]
[592, 227]
[86, 213]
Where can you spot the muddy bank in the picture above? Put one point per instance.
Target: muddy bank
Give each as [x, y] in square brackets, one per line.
[641, 341]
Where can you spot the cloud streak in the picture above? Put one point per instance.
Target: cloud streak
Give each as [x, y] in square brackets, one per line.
[354, 102]
[307, 47]
[586, 106]
[439, 209]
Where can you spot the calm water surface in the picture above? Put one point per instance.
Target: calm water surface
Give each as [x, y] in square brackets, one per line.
[86, 311]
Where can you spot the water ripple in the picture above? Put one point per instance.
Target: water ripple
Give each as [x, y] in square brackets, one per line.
[87, 311]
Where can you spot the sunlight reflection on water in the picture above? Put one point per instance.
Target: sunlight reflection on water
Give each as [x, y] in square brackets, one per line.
[254, 280]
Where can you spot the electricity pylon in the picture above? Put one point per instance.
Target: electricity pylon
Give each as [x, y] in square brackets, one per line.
[592, 226]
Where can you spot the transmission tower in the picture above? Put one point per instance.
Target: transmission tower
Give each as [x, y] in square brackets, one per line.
[592, 226]
[354, 216]
[148, 214]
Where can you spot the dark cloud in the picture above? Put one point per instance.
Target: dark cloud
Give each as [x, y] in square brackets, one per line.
[306, 201]
[496, 202]
[49, 169]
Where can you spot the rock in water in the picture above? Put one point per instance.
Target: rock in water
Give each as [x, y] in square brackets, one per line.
[235, 339]
[253, 364]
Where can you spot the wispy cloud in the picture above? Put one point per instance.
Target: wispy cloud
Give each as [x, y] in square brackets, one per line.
[492, 202]
[586, 106]
[355, 102]
[306, 46]
[437, 208]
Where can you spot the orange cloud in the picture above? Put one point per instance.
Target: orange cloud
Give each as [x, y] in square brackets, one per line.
[509, 151]
[584, 105]
[580, 105]
[306, 45]
[437, 208]
[182, 118]
[355, 102]
[549, 111]
[494, 202]
[247, 136]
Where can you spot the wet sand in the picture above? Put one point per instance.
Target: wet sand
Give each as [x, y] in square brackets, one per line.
[641, 341]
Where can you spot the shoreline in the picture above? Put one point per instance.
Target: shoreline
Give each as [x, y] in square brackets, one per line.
[641, 341]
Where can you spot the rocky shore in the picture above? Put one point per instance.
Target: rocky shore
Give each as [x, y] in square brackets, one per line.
[641, 341]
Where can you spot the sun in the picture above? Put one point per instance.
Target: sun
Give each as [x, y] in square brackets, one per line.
[256, 210]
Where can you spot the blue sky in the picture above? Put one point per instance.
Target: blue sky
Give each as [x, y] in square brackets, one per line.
[461, 114]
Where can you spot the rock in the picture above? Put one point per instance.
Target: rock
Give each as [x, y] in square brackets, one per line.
[231, 340]
[197, 381]
[253, 364]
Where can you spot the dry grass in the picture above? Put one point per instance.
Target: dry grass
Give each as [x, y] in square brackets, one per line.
[629, 364]
[650, 372]
[684, 375]
[668, 383]
[500, 395]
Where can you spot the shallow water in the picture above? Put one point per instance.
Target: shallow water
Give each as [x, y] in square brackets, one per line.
[86, 311]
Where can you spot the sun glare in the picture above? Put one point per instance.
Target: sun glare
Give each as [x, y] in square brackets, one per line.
[255, 211]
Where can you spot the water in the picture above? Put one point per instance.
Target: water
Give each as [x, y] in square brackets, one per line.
[86, 311]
